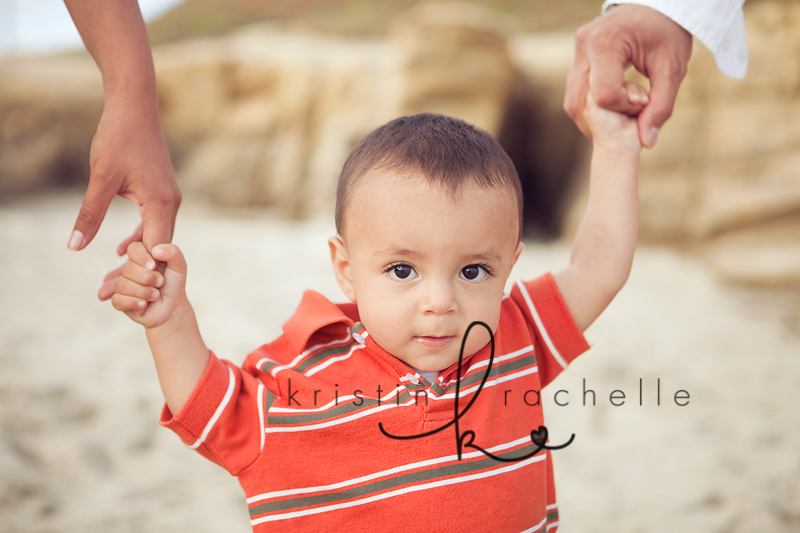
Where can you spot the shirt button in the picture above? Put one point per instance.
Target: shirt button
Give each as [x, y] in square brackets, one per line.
[411, 378]
[358, 338]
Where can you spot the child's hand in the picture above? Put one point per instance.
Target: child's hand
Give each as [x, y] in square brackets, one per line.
[612, 130]
[136, 291]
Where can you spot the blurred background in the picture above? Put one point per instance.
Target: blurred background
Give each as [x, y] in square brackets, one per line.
[261, 102]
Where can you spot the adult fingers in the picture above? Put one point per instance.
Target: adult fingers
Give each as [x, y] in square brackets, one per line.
[158, 221]
[93, 210]
[136, 236]
[106, 290]
[665, 80]
[609, 58]
[578, 80]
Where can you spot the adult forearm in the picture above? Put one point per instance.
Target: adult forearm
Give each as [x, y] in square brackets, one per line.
[114, 33]
[180, 356]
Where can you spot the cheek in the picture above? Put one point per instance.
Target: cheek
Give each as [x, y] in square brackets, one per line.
[484, 306]
[489, 314]
[383, 312]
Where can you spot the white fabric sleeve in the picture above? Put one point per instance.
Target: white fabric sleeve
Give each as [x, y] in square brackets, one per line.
[718, 24]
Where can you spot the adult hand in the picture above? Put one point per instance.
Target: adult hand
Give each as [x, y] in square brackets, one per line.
[627, 34]
[129, 157]
[129, 153]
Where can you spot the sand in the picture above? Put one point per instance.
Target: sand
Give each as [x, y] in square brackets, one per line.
[81, 449]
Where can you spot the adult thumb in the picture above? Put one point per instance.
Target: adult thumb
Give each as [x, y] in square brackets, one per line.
[93, 209]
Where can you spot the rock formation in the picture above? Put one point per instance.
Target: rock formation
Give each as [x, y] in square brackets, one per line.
[268, 118]
[49, 109]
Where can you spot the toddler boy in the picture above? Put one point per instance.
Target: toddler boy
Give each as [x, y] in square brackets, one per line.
[333, 426]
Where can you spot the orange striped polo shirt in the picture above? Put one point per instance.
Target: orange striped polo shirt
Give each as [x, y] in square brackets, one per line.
[298, 424]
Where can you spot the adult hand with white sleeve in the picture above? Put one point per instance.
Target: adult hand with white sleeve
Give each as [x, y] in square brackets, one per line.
[653, 43]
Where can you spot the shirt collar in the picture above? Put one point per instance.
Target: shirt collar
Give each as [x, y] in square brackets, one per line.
[314, 313]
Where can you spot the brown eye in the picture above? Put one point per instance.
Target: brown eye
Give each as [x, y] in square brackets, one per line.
[402, 272]
[473, 273]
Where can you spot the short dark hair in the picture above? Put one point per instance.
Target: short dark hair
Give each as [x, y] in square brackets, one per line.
[447, 151]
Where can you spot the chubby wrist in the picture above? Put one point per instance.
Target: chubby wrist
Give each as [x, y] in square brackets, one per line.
[181, 320]
[615, 151]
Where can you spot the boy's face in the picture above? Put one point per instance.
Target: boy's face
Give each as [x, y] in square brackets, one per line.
[422, 267]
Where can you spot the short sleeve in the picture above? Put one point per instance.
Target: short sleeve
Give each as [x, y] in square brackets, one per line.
[718, 24]
[557, 340]
[223, 419]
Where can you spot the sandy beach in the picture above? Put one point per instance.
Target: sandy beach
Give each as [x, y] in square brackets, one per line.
[81, 448]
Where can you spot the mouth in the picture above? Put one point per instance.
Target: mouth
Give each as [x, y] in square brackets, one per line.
[434, 342]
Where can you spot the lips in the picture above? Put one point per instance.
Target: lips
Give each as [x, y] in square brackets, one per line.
[434, 342]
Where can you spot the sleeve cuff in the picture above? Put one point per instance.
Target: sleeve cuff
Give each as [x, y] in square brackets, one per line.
[719, 26]
[199, 409]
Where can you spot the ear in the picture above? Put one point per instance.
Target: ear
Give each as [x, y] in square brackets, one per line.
[520, 247]
[341, 267]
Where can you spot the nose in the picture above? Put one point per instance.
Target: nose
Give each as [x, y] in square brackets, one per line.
[439, 298]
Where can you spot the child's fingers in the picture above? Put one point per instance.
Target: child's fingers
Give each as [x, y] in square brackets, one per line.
[636, 93]
[128, 304]
[139, 255]
[172, 255]
[142, 275]
[126, 287]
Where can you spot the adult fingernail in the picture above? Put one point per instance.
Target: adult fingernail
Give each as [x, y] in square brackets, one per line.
[652, 136]
[75, 240]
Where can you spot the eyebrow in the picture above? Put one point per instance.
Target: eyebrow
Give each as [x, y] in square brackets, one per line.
[489, 256]
[393, 250]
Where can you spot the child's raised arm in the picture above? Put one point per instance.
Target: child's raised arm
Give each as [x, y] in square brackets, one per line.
[178, 350]
[602, 253]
